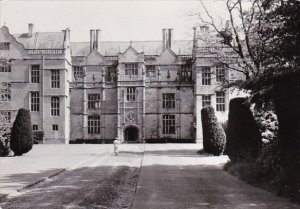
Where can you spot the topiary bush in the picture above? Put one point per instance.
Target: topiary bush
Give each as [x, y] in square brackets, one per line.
[214, 138]
[21, 134]
[244, 139]
[37, 137]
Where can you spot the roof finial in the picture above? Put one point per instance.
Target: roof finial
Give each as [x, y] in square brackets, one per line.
[130, 42]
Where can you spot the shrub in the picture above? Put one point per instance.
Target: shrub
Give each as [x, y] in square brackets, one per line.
[4, 135]
[37, 137]
[243, 136]
[21, 133]
[214, 138]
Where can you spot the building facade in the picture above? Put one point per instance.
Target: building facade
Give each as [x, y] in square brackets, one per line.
[136, 91]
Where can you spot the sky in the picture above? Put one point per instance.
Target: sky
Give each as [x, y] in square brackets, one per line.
[119, 20]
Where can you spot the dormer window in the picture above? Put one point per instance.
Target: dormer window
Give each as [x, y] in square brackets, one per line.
[4, 45]
[131, 69]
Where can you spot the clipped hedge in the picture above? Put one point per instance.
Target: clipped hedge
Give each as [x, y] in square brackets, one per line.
[21, 134]
[168, 140]
[244, 139]
[91, 141]
[214, 138]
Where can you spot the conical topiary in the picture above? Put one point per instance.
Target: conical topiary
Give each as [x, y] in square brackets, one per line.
[214, 138]
[21, 133]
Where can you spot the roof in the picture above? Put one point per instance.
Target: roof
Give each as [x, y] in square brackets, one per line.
[42, 40]
[179, 47]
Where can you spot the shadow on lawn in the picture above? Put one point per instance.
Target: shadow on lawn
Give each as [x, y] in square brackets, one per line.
[176, 187]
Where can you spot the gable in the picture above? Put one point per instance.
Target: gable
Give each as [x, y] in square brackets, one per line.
[95, 58]
[16, 50]
[131, 55]
[167, 57]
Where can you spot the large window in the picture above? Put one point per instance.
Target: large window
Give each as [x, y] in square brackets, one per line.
[206, 76]
[93, 101]
[220, 100]
[55, 106]
[150, 71]
[220, 73]
[4, 45]
[131, 94]
[5, 66]
[94, 124]
[131, 69]
[35, 101]
[206, 100]
[55, 79]
[5, 92]
[168, 124]
[168, 100]
[77, 71]
[35, 74]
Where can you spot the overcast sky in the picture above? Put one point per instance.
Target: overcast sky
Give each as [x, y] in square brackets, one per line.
[119, 20]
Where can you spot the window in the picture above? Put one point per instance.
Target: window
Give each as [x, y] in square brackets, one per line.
[93, 101]
[4, 45]
[131, 69]
[111, 75]
[55, 79]
[220, 73]
[35, 101]
[220, 100]
[35, 74]
[35, 127]
[77, 72]
[168, 124]
[206, 76]
[94, 124]
[150, 71]
[131, 94]
[5, 66]
[6, 115]
[55, 106]
[54, 127]
[206, 100]
[185, 73]
[5, 92]
[168, 100]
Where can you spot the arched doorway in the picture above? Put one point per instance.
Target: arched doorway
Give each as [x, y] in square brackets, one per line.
[131, 134]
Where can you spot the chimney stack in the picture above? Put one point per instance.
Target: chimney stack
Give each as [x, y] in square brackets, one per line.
[95, 39]
[91, 40]
[98, 32]
[30, 29]
[204, 28]
[167, 35]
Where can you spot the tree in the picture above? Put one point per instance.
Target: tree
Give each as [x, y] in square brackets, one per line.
[266, 48]
[21, 135]
[214, 138]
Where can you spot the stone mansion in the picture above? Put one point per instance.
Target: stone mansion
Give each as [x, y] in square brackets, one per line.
[134, 90]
